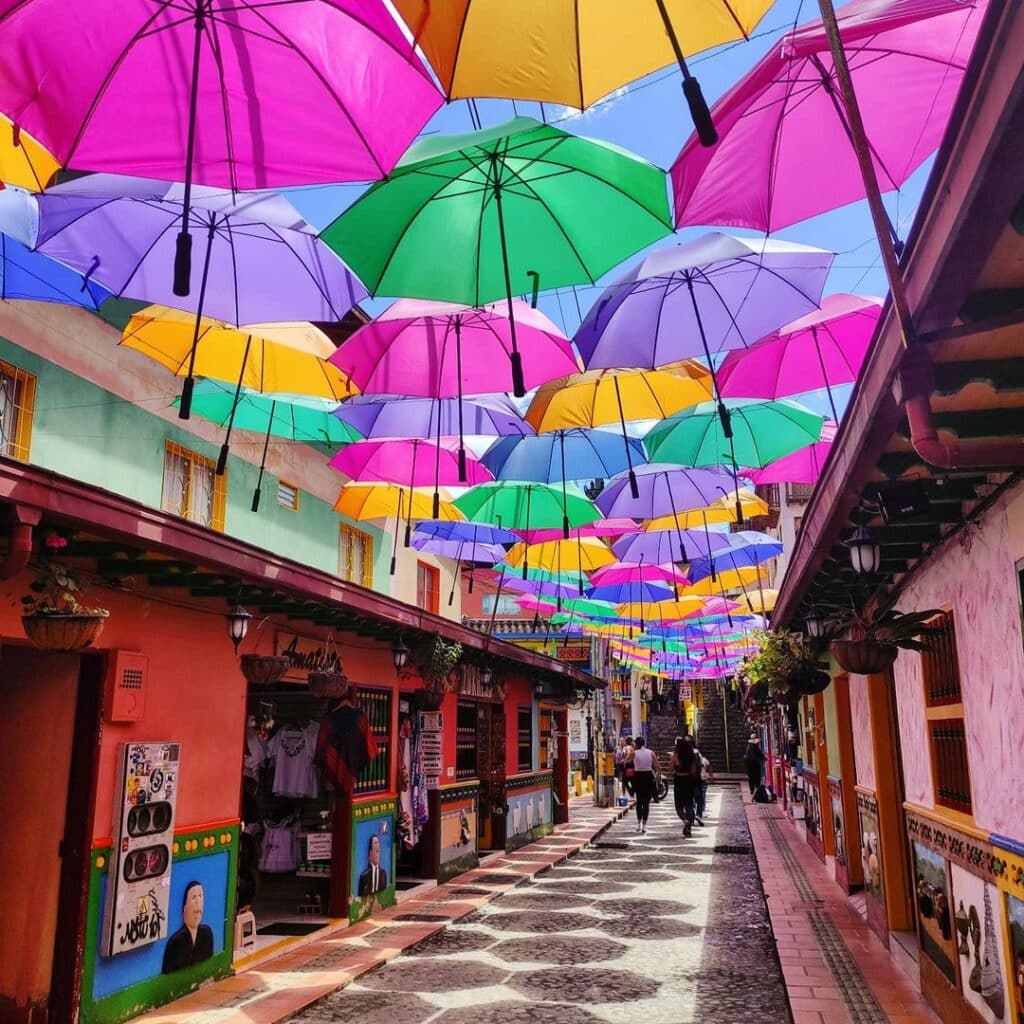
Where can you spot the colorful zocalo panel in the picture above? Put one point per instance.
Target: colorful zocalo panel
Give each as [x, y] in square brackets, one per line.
[372, 858]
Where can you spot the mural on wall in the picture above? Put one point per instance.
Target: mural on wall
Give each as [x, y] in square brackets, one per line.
[529, 816]
[812, 807]
[870, 853]
[192, 943]
[836, 798]
[1015, 915]
[934, 912]
[372, 859]
[979, 948]
[458, 832]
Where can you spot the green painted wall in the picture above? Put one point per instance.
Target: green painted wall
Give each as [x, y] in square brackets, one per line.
[92, 435]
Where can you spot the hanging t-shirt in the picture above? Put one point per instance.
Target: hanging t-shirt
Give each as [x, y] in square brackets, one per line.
[255, 754]
[281, 850]
[292, 749]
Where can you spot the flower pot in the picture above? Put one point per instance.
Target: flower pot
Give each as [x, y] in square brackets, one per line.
[328, 684]
[787, 698]
[808, 682]
[864, 657]
[62, 632]
[261, 669]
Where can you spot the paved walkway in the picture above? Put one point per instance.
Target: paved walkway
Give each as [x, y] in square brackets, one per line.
[836, 970]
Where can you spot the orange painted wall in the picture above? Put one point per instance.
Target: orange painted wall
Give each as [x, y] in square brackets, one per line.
[37, 703]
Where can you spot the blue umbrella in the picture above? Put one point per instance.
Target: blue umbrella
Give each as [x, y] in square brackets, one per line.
[472, 533]
[459, 550]
[621, 593]
[389, 416]
[25, 274]
[660, 547]
[747, 548]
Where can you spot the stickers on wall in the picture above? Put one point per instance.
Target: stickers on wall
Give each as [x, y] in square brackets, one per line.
[979, 945]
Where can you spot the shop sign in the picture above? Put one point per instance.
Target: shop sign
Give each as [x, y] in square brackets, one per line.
[577, 734]
[431, 764]
[318, 846]
[577, 655]
[685, 691]
[306, 654]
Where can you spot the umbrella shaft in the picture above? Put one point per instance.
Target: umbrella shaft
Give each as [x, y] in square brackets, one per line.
[518, 382]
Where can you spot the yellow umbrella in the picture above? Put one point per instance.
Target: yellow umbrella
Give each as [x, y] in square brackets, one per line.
[600, 397]
[723, 510]
[567, 51]
[760, 602]
[662, 611]
[728, 579]
[583, 554]
[289, 358]
[382, 501]
[23, 161]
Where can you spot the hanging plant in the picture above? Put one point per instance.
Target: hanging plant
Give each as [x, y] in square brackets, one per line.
[53, 616]
[442, 657]
[786, 661]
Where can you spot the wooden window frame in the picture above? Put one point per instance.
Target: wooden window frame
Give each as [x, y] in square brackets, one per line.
[465, 739]
[434, 574]
[377, 703]
[294, 506]
[345, 530]
[524, 738]
[220, 487]
[24, 402]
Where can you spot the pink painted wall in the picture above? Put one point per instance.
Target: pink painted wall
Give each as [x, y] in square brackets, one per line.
[863, 751]
[976, 578]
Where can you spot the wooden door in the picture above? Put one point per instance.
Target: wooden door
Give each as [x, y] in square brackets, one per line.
[496, 782]
[483, 774]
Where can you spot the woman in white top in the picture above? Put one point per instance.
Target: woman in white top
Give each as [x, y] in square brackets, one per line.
[646, 770]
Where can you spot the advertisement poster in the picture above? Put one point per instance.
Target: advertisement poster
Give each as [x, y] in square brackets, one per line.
[458, 851]
[372, 862]
[979, 945]
[577, 734]
[1015, 913]
[429, 749]
[934, 912]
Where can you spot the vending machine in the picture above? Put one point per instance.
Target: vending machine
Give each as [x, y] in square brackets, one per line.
[139, 876]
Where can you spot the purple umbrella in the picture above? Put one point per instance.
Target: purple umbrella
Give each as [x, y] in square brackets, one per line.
[261, 261]
[784, 152]
[664, 490]
[379, 417]
[239, 95]
[662, 546]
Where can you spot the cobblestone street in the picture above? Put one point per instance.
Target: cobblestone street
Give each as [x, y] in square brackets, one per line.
[659, 928]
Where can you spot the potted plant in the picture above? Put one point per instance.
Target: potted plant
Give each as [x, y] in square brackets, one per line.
[264, 669]
[437, 663]
[786, 661]
[868, 640]
[53, 616]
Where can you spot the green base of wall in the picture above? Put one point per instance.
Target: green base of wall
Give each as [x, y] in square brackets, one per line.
[528, 837]
[451, 868]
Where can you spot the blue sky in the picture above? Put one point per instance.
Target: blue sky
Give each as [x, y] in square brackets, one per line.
[650, 118]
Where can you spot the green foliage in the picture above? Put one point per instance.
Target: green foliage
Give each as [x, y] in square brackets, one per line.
[56, 591]
[442, 657]
[781, 655]
[880, 622]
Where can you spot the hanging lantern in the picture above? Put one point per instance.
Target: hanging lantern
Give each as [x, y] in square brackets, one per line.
[865, 552]
[238, 625]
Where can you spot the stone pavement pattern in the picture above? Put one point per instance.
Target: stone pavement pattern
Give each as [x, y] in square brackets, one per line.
[653, 926]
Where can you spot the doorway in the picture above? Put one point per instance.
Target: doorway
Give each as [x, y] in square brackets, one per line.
[490, 771]
[51, 707]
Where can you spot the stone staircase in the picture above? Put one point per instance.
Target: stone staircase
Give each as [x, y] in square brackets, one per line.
[662, 729]
[712, 728]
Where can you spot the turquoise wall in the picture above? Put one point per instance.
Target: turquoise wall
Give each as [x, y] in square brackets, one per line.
[87, 433]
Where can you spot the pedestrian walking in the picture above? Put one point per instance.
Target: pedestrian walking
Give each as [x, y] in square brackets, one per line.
[753, 760]
[685, 776]
[700, 796]
[646, 775]
[620, 757]
[628, 768]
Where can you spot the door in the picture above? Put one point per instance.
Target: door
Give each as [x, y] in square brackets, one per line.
[496, 781]
[483, 774]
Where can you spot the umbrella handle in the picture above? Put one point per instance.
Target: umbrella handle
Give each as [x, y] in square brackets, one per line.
[263, 461]
[185, 405]
[536, 287]
[699, 111]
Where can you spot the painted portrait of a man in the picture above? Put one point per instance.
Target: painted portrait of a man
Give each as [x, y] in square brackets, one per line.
[373, 878]
[192, 943]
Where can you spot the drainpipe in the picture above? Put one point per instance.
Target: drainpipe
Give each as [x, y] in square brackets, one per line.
[915, 386]
[19, 547]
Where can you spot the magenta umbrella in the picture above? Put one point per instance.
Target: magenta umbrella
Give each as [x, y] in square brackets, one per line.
[822, 350]
[239, 94]
[784, 151]
[604, 528]
[803, 466]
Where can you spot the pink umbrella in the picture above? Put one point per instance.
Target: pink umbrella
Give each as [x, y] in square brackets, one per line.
[604, 528]
[637, 572]
[803, 466]
[411, 463]
[824, 349]
[238, 95]
[784, 153]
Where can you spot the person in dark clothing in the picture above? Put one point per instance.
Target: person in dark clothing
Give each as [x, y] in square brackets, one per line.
[192, 943]
[685, 777]
[645, 764]
[753, 760]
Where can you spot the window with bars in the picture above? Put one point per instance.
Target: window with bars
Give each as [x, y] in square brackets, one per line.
[376, 704]
[191, 487]
[17, 405]
[524, 718]
[428, 587]
[465, 739]
[287, 495]
[947, 737]
[355, 556]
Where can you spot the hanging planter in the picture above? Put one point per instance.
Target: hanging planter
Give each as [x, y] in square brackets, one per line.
[864, 657]
[808, 680]
[63, 632]
[54, 619]
[263, 669]
[328, 684]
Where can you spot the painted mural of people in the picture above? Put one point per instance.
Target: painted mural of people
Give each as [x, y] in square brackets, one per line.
[373, 878]
[192, 943]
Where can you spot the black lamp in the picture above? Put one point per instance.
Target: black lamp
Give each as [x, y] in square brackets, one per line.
[486, 676]
[399, 654]
[865, 552]
[238, 624]
[814, 622]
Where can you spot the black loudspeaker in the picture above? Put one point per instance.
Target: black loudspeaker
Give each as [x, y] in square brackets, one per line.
[902, 501]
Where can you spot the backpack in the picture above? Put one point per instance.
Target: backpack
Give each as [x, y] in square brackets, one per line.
[763, 795]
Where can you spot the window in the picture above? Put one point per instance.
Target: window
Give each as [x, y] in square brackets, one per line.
[376, 704]
[17, 403]
[947, 737]
[428, 587]
[192, 488]
[465, 739]
[525, 743]
[355, 556]
[288, 496]
[508, 604]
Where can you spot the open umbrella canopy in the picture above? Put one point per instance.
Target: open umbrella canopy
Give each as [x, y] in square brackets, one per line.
[669, 545]
[25, 274]
[413, 463]
[634, 572]
[637, 592]
[557, 586]
[460, 551]
[603, 528]
[427, 349]
[362, 501]
[394, 417]
[746, 549]
[601, 397]
[784, 153]
[575, 454]
[283, 93]
[761, 433]
[558, 51]
[519, 506]
[760, 601]
[723, 510]
[292, 417]
[704, 297]
[729, 579]
[803, 466]
[662, 611]
[473, 533]
[663, 489]
[288, 358]
[23, 161]
[582, 555]
[579, 608]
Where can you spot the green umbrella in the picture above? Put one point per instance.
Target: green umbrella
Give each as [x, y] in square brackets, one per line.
[762, 433]
[519, 506]
[505, 211]
[584, 608]
[292, 417]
